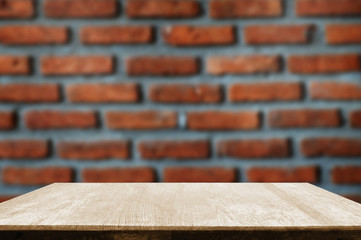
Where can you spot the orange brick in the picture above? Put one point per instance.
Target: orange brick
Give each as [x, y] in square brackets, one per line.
[80, 8]
[102, 92]
[196, 149]
[76, 65]
[184, 93]
[219, 65]
[135, 174]
[221, 120]
[254, 148]
[141, 120]
[33, 35]
[162, 8]
[116, 34]
[50, 119]
[186, 35]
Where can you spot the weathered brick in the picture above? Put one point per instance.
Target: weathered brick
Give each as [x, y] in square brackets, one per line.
[355, 119]
[218, 65]
[16, 9]
[303, 118]
[283, 174]
[328, 63]
[14, 65]
[33, 35]
[103, 92]
[185, 93]
[7, 120]
[328, 7]
[245, 8]
[254, 148]
[116, 34]
[29, 92]
[187, 35]
[346, 174]
[141, 120]
[335, 91]
[80, 8]
[265, 91]
[134, 174]
[96, 150]
[36, 176]
[331, 146]
[51, 119]
[222, 120]
[76, 65]
[277, 34]
[158, 66]
[162, 9]
[23, 148]
[186, 149]
[199, 174]
[343, 33]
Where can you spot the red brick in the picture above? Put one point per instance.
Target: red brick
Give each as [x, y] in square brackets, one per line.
[7, 120]
[221, 120]
[303, 118]
[328, 7]
[245, 8]
[14, 65]
[277, 34]
[185, 93]
[282, 174]
[93, 150]
[158, 66]
[76, 65]
[254, 148]
[343, 33]
[33, 35]
[29, 92]
[141, 120]
[80, 8]
[174, 149]
[187, 35]
[135, 174]
[36, 176]
[353, 197]
[4, 198]
[162, 9]
[331, 146]
[219, 65]
[335, 91]
[329, 63]
[16, 9]
[355, 119]
[346, 175]
[265, 91]
[116, 34]
[24, 148]
[50, 119]
[103, 92]
[199, 174]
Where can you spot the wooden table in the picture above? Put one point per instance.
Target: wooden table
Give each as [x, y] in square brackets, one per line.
[180, 211]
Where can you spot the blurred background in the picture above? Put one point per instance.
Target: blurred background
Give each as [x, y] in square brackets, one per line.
[180, 91]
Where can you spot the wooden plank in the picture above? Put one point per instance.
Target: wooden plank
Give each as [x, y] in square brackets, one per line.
[180, 206]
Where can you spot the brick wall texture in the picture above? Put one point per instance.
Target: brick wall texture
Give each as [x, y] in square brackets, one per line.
[180, 91]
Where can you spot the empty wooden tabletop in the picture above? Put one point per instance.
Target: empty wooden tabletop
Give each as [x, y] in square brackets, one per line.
[179, 207]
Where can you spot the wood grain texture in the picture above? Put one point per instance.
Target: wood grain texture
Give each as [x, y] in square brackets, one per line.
[179, 207]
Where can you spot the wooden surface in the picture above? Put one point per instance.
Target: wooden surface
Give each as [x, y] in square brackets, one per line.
[180, 206]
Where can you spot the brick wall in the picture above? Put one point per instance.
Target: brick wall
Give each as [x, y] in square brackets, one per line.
[164, 90]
